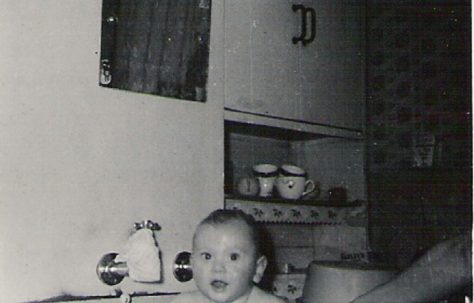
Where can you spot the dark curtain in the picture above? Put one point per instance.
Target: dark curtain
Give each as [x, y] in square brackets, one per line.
[159, 46]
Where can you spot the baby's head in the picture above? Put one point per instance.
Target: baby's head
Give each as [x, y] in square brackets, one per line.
[227, 257]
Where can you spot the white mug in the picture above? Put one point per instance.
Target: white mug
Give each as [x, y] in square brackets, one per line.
[292, 182]
[266, 175]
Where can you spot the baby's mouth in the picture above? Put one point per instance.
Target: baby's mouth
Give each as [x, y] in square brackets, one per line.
[219, 285]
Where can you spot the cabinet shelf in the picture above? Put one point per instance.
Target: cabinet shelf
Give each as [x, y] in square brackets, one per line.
[308, 202]
[298, 130]
[328, 160]
[300, 212]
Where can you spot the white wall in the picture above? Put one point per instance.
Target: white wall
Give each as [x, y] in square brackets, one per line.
[79, 164]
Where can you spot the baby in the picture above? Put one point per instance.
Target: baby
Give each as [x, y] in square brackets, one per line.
[227, 261]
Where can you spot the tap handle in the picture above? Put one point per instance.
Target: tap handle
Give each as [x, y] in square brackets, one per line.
[109, 271]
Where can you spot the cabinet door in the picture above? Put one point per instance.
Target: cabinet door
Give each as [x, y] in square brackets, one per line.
[261, 71]
[266, 73]
[332, 66]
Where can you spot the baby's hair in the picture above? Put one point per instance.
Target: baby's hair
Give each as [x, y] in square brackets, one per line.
[224, 216]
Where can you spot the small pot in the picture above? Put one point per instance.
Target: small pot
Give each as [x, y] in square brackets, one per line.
[248, 186]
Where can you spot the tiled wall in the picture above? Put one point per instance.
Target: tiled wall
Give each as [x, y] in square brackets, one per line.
[418, 82]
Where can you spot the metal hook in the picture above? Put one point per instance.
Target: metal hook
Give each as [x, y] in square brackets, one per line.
[105, 72]
[147, 224]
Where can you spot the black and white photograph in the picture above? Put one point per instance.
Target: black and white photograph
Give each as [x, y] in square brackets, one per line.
[236, 151]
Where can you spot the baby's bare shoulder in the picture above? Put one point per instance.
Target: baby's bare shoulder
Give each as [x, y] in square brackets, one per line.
[260, 296]
[190, 297]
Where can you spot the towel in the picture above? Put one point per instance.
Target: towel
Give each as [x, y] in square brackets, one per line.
[143, 257]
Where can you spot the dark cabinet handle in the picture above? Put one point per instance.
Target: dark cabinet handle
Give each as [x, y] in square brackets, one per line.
[312, 13]
[304, 17]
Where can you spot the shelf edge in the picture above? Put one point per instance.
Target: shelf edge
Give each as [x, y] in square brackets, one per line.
[261, 120]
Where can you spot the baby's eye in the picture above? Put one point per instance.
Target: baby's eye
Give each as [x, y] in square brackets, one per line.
[206, 256]
[234, 256]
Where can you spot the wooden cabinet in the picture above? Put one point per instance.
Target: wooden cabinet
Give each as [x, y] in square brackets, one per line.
[260, 60]
[302, 104]
[330, 162]
[266, 73]
[332, 67]
[294, 88]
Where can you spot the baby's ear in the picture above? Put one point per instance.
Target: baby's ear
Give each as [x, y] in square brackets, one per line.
[261, 265]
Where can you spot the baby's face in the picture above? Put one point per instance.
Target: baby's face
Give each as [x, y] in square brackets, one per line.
[224, 261]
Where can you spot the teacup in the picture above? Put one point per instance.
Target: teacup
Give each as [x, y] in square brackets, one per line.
[266, 175]
[292, 182]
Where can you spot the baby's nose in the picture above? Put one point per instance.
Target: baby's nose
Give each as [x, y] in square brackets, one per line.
[218, 266]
